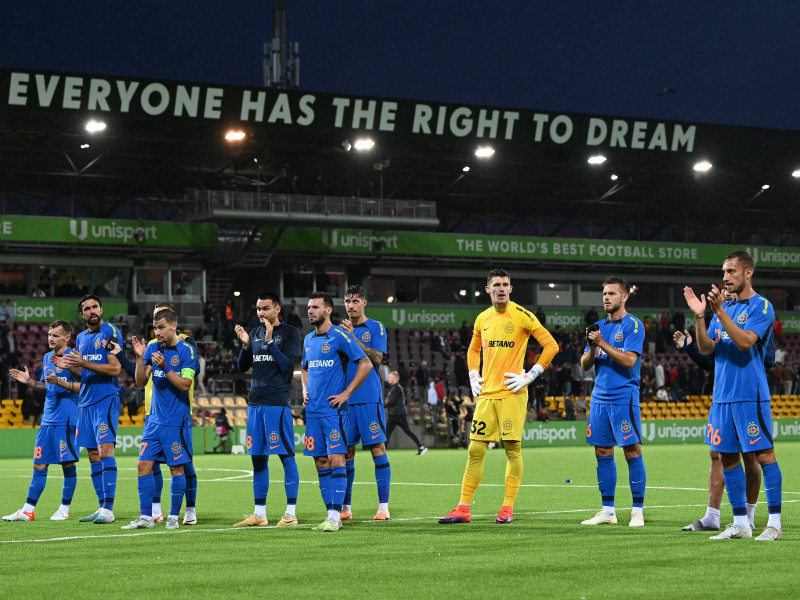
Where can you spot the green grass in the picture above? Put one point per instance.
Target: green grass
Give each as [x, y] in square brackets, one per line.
[545, 553]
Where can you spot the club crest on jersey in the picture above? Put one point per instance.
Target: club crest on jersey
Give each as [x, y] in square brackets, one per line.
[97, 343]
[742, 318]
[174, 361]
[103, 427]
[176, 447]
[273, 437]
[326, 347]
[374, 427]
[618, 336]
[277, 340]
[62, 445]
[58, 369]
[752, 429]
[367, 336]
[334, 436]
[625, 427]
[509, 328]
[507, 425]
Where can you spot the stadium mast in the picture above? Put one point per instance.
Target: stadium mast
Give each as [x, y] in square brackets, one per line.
[281, 58]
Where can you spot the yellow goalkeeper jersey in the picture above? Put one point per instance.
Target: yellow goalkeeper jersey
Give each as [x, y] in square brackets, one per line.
[502, 336]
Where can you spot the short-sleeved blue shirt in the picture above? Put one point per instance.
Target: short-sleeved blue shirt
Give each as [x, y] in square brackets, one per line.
[373, 335]
[614, 383]
[168, 405]
[91, 346]
[326, 357]
[739, 375]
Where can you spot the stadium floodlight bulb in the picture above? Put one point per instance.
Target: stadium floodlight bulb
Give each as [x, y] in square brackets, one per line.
[597, 159]
[462, 292]
[237, 293]
[796, 173]
[95, 126]
[465, 169]
[614, 177]
[765, 186]
[484, 152]
[390, 299]
[702, 166]
[235, 135]
[84, 146]
[477, 293]
[364, 145]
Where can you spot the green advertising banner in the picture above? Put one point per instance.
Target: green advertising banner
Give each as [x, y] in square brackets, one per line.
[351, 241]
[47, 310]
[18, 443]
[97, 231]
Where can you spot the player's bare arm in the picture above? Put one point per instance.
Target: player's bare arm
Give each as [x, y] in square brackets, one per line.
[364, 368]
[625, 358]
[698, 306]
[304, 381]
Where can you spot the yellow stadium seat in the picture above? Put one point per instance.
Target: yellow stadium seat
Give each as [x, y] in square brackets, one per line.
[241, 401]
[215, 402]
[228, 402]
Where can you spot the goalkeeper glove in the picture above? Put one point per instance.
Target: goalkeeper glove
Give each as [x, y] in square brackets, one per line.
[475, 381]
[515, 382]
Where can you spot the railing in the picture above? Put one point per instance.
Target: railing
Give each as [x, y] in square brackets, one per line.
[206, 203]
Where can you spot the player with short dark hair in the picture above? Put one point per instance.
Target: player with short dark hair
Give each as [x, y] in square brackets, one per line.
[367, 419]
[614, 348]
[326, 353]
[740, 420]
[499, 342]
[98, 408]
[270, 349]
[55, 441]
[190, 515]
[167, 436]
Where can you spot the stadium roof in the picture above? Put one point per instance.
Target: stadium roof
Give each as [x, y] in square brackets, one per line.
[162, 138]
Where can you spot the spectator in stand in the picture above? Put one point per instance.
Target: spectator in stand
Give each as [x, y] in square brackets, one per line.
[293, 318]
[464, 335]
[660, 379]
[433, 401]
[422, 375]
[210, 319]
[592, 316]
[787, 378]
[440, 391]
[404, 377]
[780, 351]
[777, 328]
[678, 320]
[774, 379]
[461, 372]
[650, 334]
[452, 408]
[396, 412]
[541, 316]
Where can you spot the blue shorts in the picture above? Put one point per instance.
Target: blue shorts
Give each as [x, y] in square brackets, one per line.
[97, 423]
[55, 444]
[167, 444]
[325, 436]
[739, 427]
[614, 424]
[270, 430]
[367, 424]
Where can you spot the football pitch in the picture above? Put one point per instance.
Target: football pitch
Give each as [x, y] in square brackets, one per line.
[544, 553]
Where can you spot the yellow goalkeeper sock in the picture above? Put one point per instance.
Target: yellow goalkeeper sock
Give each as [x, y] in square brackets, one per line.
[474, 471]
[513, 471]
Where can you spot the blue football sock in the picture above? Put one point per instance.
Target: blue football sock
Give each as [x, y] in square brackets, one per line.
[145, 485]
[191, 484]
[637, 477]
[350, 469]
[325, 486]
[38, 481]
[260, 479]
[383, 476]
[177, 489]
[773, 487]
[158, 482]
[736, 487]
[97, 480]
[291, 478]
[109, 481]
[70, 481]
[338, 487]
[607, 479]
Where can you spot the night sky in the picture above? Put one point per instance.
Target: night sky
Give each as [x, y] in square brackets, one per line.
[732, 62]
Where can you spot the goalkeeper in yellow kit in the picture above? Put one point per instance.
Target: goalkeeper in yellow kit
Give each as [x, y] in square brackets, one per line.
[499, 341]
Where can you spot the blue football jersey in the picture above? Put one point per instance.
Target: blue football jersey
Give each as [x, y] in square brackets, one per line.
[739, 375]
[60, 405]
[168, 405]
[373, 335]
[272, 363]
[326, 357]
[613, 382]
[91, 346]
